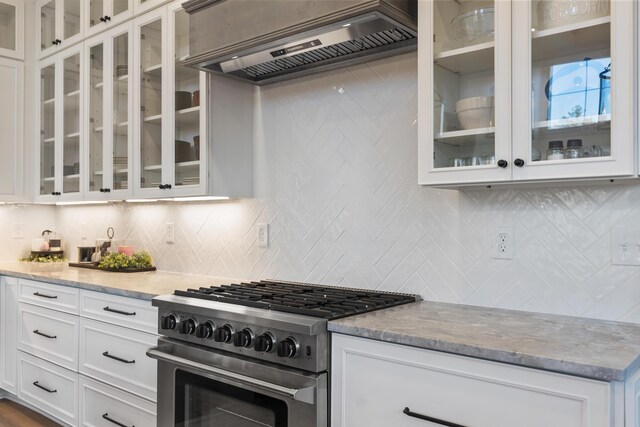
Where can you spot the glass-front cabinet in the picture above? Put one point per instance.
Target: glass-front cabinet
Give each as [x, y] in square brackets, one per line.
[59, 24]
[109, 114]
[103, 14]
[60, 119]
[141, 6]
[525, 90]
[170, 111]
[12, 28]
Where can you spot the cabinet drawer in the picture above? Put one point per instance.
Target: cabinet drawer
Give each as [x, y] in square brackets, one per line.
[49, 334]
[373, 382]
[121, 311]
[48, 387]
[118, 356]
[101, 405]
[57, 297]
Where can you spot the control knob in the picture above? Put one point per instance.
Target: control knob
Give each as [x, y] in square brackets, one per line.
[205, 330]
[188, 327]
[168, 322]
[288, 347]
[243, 338]
[264, 343]
[223, 334]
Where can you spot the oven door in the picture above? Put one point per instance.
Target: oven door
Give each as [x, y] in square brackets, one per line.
[198, 386]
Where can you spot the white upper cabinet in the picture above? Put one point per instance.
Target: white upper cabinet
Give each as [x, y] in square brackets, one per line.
[522, 91]
[59, 24]
[141, 6]
[104, 14]
[12, 28]
[11, 123]
[108, 117]
[60, 103]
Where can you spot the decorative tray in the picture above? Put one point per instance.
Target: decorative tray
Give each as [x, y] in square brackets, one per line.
[94, 266]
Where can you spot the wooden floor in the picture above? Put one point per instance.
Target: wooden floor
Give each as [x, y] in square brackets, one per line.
[15, 415]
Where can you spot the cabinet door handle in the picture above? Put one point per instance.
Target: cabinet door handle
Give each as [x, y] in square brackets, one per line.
[518, 162]
[111, 420]
[125, 313]
[107, 18]
[102, 19]
[502, 163]
[438, 421]
[38, 294]
[51, 337]
[119, 359]
[48, 390]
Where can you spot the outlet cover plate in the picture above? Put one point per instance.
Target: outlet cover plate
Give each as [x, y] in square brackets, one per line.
[625, 246]
[503, 243]
[263, 235]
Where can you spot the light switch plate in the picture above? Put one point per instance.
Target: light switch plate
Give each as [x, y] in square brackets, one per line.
[625, 246]
[263, 235]
[16, 231]
[170, 233]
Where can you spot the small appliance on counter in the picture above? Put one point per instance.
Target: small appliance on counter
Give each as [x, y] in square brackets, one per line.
[48, 245]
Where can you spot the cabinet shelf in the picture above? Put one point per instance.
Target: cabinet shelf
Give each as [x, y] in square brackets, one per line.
[154, 70]
[73, 135]
[557, 42]
[153, 168]
[188, 117]
[469, 59]
[49, 179]
[467, 136]
[153, 119]
[74, 176]
[98, 85]
[572, 125]
[116, 171]
[47, 140]
[188, 165]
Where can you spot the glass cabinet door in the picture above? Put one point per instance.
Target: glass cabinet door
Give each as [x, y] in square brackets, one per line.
[96, 86]
[121, 97]
[97, 12]
[151, 77]
[574, 118]
[47, 129]
[71, 120]
[469, 70]
[103, 13]
[12, 28]
[71, 18]
[48, 31]
[187, 109]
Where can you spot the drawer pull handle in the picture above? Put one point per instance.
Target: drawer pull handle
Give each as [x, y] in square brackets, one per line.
[408, 412]
[125, 313]
[111, 420]
[119, 359]
[48, 390]
[38, 294]
[42, 334]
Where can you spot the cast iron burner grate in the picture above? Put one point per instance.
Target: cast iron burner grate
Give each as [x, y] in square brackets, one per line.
[327, 302]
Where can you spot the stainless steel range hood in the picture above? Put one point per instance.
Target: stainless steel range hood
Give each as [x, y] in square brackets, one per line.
[265, 41]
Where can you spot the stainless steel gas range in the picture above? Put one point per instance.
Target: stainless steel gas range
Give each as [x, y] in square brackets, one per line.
[252, 354]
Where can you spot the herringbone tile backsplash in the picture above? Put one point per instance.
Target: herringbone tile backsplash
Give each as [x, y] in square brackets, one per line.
[336, 179]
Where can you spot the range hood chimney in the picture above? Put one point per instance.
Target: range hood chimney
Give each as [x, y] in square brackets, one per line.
[266, 41]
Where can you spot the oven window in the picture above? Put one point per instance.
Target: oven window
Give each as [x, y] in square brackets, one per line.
[201, 401]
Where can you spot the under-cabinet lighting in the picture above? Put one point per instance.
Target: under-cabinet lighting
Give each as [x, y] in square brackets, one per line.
[346, 25]
[141, 200]
[95, 202]
[234, 57]
[199, 199]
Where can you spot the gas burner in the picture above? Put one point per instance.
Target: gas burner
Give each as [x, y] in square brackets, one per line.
[326, 302]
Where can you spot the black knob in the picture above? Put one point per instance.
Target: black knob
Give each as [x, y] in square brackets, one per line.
[503, 163]
[167, 186]
[223, 334]
[107, 190]
[205, 330]
[102, 190]
[243, 338]
[288, 347]
[102, 19]
[168, 322]
[161, 187]
[107, 18]
[187, 327]
[54, 42]
[58, 41]
[264, 343]
[53, 193]
[518, 162]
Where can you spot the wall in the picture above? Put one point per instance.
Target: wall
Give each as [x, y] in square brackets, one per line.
[336, 177]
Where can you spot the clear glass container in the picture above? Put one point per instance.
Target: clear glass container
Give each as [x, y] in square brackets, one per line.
[555, 150]
[574, 149]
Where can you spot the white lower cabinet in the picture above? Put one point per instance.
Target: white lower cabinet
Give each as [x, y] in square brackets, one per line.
[89, 369]
[118, 356]
[103, 405]
[48, 387]
[376, 383]
[8, 333]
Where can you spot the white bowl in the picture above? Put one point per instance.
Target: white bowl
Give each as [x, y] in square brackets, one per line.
[556, 13]
[474, 26]
[476, 112]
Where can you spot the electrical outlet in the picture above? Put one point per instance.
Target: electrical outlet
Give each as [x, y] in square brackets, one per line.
[263, 235]
[503, 243]
[625, 246]
[16, 231]
[170, 232]
[83, 231]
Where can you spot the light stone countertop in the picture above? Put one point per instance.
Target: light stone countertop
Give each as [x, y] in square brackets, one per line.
[144, 285]
[590, 348]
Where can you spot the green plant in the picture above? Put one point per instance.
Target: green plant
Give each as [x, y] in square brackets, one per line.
[117, 261]
[44, 258]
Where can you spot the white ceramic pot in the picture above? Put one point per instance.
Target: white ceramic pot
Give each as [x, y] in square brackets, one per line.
[476, 112]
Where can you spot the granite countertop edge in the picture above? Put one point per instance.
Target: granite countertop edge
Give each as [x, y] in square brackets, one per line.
[601, 373]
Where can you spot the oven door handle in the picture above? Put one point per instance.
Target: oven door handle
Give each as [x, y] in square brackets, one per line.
[306, 395]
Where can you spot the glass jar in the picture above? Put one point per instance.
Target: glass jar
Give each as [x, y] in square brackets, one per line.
[574, 149]
[555, 151]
